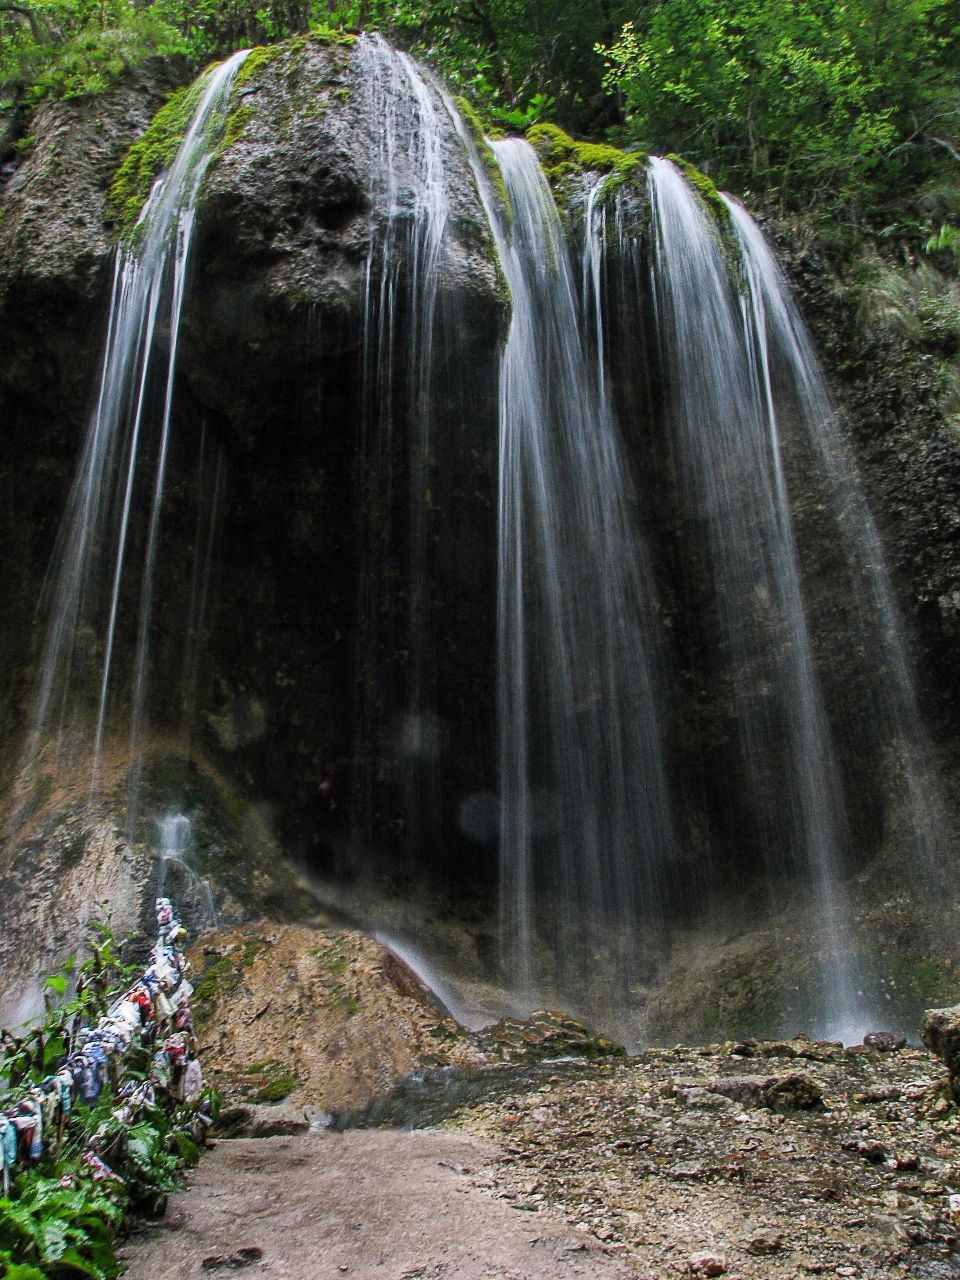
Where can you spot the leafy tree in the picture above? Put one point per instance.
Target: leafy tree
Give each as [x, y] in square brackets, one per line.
[817, 100]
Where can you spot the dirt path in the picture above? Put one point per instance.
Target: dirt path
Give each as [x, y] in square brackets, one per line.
[378, 1203]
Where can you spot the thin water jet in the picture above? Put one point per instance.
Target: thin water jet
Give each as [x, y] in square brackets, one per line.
[95, 543]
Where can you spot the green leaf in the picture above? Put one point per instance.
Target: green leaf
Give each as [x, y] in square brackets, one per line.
[54, 1239]
[73, 1263]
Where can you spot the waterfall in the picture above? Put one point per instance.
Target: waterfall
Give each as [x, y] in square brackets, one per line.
[408, 191]
[728, 450]
[175, 849]
[86, 598]
[652, 584]
[779, 337]
[415, 385]
[585, 821]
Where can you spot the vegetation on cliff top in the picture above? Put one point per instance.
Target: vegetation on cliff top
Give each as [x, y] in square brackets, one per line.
[850, 106]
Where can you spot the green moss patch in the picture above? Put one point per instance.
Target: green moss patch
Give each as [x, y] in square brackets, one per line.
[219, 979]
[278, 1089]
[484, 150]
[321, 34]
[148, 157]
[705, 188]
[237, 121]
[563, 158]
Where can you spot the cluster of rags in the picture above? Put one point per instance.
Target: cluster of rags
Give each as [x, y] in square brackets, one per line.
[153, 1013]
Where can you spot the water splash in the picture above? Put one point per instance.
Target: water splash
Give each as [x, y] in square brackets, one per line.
[176, 851]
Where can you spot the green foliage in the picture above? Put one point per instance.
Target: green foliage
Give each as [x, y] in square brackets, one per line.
[54, 1231]
[821, 102]
[28, 1058]
[71, 48]
[58, 1222]
[915, 302]
[946, 241]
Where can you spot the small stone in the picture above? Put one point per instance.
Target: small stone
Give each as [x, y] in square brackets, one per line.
[874, 1152]
[885, 1041]
[707, 1264]
[232, 1261]
[764, 1243]
[907, 1160]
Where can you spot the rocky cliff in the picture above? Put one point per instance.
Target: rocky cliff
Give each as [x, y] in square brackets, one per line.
[321, 483]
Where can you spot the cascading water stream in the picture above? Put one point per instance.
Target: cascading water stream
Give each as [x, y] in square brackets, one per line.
[409, 191]
[585, 821]
[777, 333]
[728, 448]
[95, 540]
[175, 851]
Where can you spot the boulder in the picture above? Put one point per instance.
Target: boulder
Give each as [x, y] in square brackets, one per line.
[940, 1032]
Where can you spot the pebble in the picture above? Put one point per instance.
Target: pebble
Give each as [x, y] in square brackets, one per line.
[707, 1264]
[764, 1243]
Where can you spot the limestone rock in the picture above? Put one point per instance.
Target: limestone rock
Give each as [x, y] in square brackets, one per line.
[56, 244]
[246, 1121]
[884, 1041]
[285, 228]
[793, 1092]
[940, 1032]
[707, 1264]
[545, 1034]
[309, 1017]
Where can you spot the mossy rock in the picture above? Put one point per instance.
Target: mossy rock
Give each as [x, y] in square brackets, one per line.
[705, 188]
[148, 157]
[487, 157]
[563, 159]
[278, 1089]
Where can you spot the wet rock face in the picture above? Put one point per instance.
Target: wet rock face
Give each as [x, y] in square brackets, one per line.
[270, 375]
[69, 861]
[909, 457]
[284, 238]
[55, 263]
[940, 1032]
[56, 245]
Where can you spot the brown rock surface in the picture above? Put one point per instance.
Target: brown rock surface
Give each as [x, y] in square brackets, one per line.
[941, 1034]
[332, 1014]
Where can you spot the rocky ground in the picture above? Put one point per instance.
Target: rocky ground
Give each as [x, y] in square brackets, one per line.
[518, 1152]
[324, 1019]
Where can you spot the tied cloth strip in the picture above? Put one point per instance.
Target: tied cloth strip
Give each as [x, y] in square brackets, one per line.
[154, 1009]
